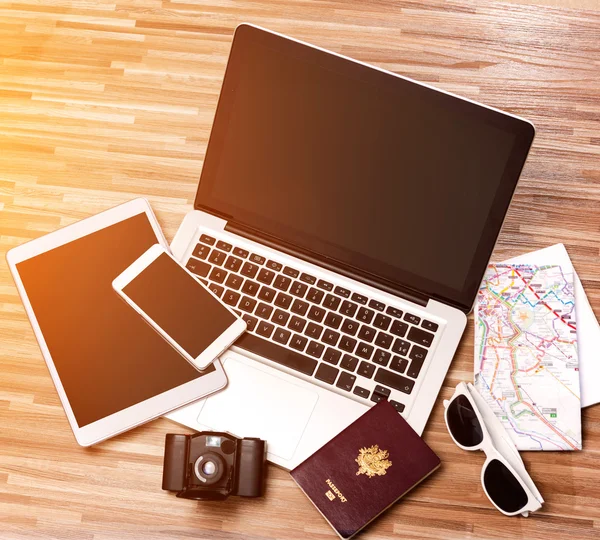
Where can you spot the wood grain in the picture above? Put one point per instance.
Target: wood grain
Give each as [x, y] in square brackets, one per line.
[101, 101]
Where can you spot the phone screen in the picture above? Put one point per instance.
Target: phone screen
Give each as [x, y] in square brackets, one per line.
[179, 305]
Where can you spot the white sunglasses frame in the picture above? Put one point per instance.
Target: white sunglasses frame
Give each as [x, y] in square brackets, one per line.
[488, 447]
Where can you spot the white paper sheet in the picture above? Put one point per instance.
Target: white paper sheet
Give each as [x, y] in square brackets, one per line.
[588, 329]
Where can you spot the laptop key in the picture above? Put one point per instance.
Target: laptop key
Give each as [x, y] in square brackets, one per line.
[349, 362]
[326, 373]
[217, 257]
[280, 317]
[398, 406]
[298, 289]
[297, 324]
[264, 311]
[291, 272]
[322, 284]
[420, 337]
[224, 246]
[316, 313]
[395, 381]
[298, 342]
[331, 302]
[307, 278]
[431, 326]
[348, 308]
[366, 369]
[361, 392]
[342, 292]
[365, 315]
[216, 289]
[258, 259]
[401, 347]
[201, 251]
[359, 298]
[249, 270]
[394, 312]
[283, 300]
[332, 356]
[198, 267]
[379, 306]
[330, 337]
[384, 340]
[417, 356]
[273, 265]
[281, 335]
[265, 276]
[299, 307]
[250, 322]
[233, 263]
[231, 298]
[399, 364]
[364, 350]
[382, 390]
[277, 353]
[333, 320]
[313, 330]
[234, 281]
[346, 381]
[247, 304]
[375, 397]
[381, 357]
[382, 321]
[250, 288]
[399, 328]
[413, 319]
[315, 295]
[366, 333]
[203, 281]
[218, 275]
[347, 344]
[205, 239]
[282, 283]
[267, 294]
[240, 252]
[350, 327]
[264, 329]
[315, 349]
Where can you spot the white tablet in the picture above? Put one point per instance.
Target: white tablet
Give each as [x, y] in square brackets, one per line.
[111, 369]
[185, 313]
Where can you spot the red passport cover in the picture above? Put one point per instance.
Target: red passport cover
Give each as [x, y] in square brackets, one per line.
[365, 469]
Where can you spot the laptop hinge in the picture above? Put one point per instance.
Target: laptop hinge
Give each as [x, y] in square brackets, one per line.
[329, 264]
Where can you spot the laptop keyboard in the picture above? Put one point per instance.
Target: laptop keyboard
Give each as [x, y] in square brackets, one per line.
[333, 334]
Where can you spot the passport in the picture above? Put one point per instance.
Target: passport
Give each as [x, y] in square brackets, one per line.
[365, 469]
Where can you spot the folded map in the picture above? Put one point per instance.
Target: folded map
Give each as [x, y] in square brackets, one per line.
[526, 364]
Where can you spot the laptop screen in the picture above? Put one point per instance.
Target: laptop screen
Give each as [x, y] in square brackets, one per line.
[404, 183]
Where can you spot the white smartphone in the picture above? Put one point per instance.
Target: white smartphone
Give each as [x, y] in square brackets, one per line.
[185, 312]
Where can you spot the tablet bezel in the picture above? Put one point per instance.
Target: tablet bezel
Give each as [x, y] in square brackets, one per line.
[138, 413]
[218, 347]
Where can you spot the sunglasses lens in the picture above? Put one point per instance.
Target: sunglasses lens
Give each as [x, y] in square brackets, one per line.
[503, 488]
[463, 422]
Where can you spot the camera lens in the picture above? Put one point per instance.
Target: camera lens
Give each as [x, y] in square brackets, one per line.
[209, 468]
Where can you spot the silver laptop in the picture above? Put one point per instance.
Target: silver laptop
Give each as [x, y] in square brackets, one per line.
[348, 215]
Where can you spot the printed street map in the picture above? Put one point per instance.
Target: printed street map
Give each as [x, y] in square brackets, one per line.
[526, 354]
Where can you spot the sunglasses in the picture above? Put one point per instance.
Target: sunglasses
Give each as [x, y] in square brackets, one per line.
[474, 426]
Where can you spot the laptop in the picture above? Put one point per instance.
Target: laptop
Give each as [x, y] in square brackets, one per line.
[348, 214]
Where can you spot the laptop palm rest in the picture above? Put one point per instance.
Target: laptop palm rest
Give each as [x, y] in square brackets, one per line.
[251, 395]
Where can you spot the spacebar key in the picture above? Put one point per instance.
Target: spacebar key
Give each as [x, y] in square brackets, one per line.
[278, 354]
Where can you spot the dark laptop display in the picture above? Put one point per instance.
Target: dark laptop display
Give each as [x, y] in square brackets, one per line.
[382, 177]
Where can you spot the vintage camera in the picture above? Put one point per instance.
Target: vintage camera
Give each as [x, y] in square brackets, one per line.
[213, 465]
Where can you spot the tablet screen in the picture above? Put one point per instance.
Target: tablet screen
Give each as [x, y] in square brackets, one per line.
[107, 357]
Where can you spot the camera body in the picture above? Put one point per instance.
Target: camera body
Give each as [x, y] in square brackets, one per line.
[213, 465]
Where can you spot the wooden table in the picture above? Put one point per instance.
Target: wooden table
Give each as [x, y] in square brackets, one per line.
[104, 101]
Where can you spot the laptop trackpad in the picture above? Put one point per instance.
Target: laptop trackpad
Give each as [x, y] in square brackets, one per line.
[258, 404]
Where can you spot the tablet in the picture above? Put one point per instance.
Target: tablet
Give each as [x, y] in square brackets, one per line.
[111, 369]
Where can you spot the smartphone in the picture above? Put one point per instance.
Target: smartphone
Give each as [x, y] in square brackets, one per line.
[180, 308]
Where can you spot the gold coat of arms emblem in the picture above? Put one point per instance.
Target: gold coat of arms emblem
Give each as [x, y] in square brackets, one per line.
[372, 461]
